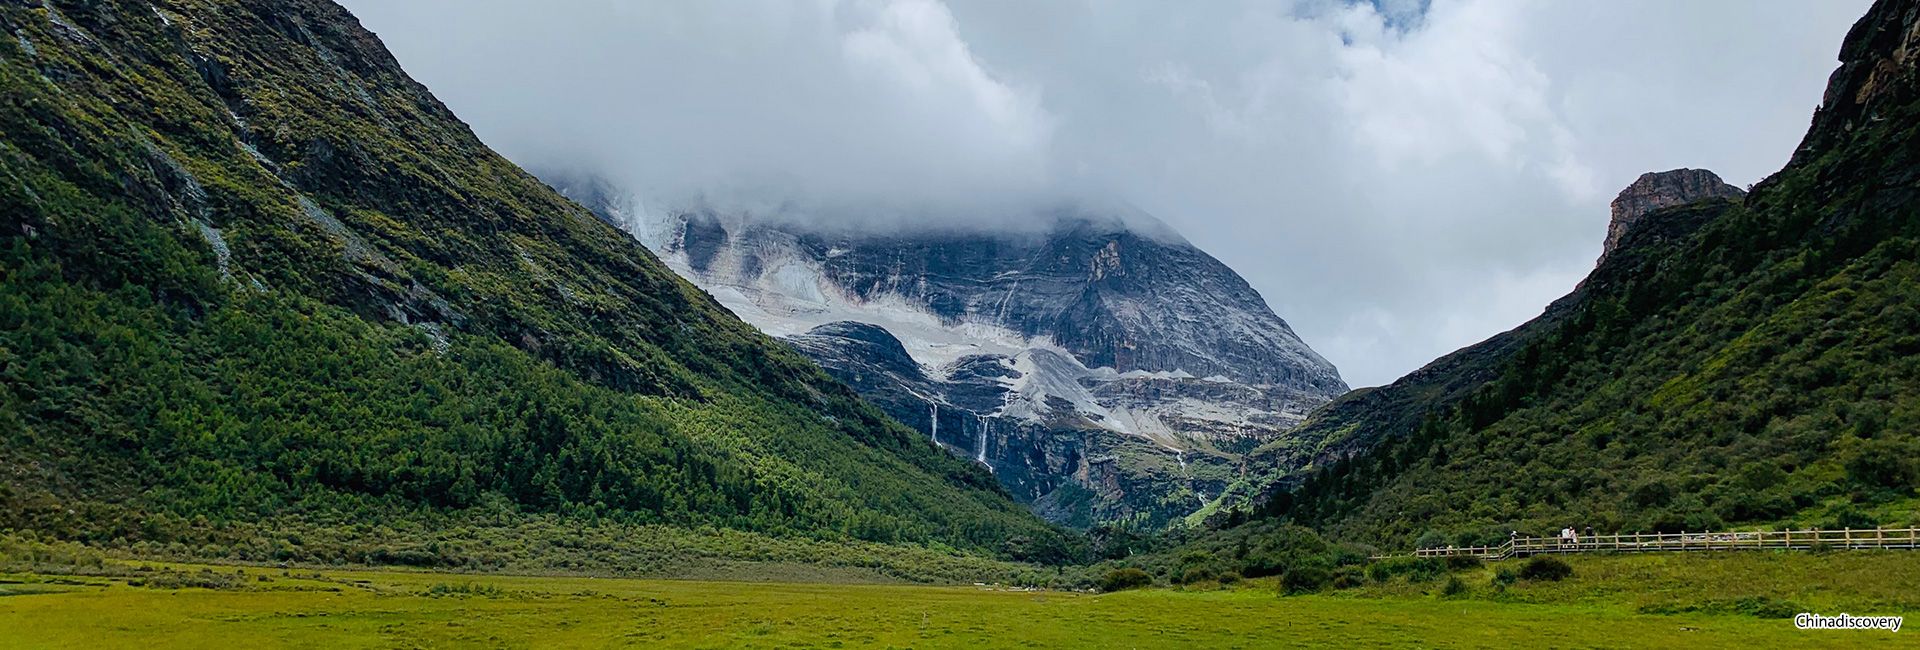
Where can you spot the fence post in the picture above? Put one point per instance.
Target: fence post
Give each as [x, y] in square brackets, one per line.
[1903, 538]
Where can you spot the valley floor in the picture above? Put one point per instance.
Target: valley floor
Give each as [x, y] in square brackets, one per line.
[175, 605]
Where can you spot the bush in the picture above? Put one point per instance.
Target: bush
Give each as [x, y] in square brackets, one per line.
[1124, 579]
[1743, 504]
[1765, 607]
[1755, 606]
[1283, 549]
[1306, 579]
[1229, 578]
[464, 589]
[1882, 464]
[1686, 515]
[1416, 569]
[1505, 576]
[1347, 577]
[1848, 516]
[1352, 554]
[1652, 493]
[202, 579]
[1196, 574]
[1454, 587]
[1463, 562]
[1541, 568]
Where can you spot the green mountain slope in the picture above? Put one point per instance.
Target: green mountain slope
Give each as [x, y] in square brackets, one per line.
[1733, 363]
[253, 272]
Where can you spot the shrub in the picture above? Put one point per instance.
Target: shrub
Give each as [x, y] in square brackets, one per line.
[1352, 554]
[1755, 606]
[1765, 607]
[1685, 515]
[1483, 536]
[1306, 579]
[1282, 549]
[1124, 579]
[1743, 504]
[1541, 568]
[1454, 587]
[1229, 578]
[1651, 494]
[464, 589]
[1379, 572]
[1882, 464]
[1463, 562]
[1847, 516]
[1505, 576]
[1196, 574]
[202, 579]
[1347, 577]
[1416, 569]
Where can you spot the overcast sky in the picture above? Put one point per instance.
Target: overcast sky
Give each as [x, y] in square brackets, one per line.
[1398, 179]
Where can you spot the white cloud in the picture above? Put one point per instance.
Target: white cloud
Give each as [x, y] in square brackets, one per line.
[1397, 182]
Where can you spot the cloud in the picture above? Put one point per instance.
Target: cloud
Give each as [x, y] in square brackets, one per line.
[1398, 178]
[850, 101]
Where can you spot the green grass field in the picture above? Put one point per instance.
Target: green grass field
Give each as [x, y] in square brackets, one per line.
[1611, 602]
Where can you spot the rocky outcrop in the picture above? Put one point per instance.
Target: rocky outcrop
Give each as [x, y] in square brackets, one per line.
[1065, 461]
[1876, 76]
[1656, 190]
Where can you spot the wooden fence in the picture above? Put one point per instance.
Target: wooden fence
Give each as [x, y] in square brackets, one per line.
[1865, 538]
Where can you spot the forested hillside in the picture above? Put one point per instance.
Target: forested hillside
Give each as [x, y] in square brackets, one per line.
[252, 273]
[1733, 362]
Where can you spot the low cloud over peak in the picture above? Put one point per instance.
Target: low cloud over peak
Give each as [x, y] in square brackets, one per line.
[1398, 178]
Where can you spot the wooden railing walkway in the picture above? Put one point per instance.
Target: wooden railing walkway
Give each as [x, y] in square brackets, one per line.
[1874, 538]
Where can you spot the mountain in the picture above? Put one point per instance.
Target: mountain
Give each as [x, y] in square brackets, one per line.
[1733, 360]
[1103, 368]
[254, 276]
[1654, 191]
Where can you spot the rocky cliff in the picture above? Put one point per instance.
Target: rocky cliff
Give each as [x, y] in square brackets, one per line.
[1656, 190]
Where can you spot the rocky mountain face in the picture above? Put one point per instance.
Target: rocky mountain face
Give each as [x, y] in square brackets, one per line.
[1656, 190]
[1104, 369]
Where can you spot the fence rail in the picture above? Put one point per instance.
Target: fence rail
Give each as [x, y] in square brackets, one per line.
[1866, 538]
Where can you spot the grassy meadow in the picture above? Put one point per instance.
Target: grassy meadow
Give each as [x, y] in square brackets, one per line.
[1701, 601]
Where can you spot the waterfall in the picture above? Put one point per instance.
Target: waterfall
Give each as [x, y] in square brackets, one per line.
[980, 443]
[936, 423]
[1180, 456]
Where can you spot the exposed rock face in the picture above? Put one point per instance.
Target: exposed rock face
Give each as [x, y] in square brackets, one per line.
[1104, 368]
[1879, 72]
[1656, 190]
